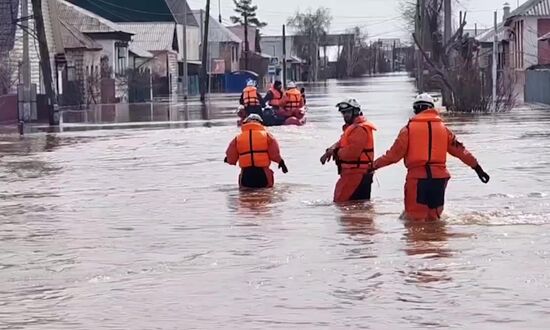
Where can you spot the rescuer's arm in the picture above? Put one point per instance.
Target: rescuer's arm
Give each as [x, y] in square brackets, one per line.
[232, 154]
[356, 144]
[275, 153]
[397, 152]
[457, 149]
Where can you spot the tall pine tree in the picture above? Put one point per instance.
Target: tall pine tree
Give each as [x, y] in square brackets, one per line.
[244, 8]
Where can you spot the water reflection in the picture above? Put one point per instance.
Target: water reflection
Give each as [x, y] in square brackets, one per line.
[427, 238]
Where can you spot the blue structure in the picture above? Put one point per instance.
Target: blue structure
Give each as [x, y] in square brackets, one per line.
[235, 81]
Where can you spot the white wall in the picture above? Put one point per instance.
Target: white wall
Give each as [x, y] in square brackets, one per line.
[193, 42]
[530, 42]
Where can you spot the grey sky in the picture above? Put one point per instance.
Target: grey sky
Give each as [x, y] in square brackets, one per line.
[381, 18]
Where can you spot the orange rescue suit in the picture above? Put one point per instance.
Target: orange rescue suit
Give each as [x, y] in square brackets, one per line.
[424, 144]
[355, 154]
[251, 97]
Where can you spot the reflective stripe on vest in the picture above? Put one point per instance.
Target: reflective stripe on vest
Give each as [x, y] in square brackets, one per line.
[427, 141]
[366, 158]
[293, 99]
[277, 96]
[252, 145]
[250, 96]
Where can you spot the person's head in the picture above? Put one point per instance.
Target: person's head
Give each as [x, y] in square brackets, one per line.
[423, 102]
[253, 118]
[277, 84]
[302, 90]
[291, 84]
[250, 83]
[350, 109]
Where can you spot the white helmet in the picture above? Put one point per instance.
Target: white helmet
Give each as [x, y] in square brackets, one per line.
[348, 104]
[424, 99]
[250, 83]
[291, 84]
[253, 117]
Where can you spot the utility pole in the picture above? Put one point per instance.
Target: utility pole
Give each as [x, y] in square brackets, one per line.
[205, 52]
[26, 67]
[495, 56]
[45, 63]
[185, 73]
[420, 12]
[448, 18]
[284, 56]
[246, 45]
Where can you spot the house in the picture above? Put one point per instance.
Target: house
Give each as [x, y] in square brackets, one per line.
[143, 14]
[11, 52]
[224, 51]
[273, 46]
[521, 43]
[161, 40]
[223, 44]
[79, 83]
[114, 40]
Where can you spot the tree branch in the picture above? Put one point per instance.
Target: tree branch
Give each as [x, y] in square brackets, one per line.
[444, 77]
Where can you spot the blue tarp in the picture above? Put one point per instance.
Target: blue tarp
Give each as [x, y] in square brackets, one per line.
[235, 82]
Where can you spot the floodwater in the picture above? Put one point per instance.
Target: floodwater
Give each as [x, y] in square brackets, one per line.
[143, 227]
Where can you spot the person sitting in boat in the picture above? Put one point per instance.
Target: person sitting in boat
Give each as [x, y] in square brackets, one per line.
[251, 100]
[292, 106]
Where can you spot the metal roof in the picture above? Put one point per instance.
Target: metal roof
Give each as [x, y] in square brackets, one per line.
[86, 21]
[545, 37]
[74, 39]
[533, 8]
[177, 9]
[152, 36]
[139, 52]
[216, 31]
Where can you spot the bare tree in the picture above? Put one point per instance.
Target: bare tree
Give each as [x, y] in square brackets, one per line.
[312, 26]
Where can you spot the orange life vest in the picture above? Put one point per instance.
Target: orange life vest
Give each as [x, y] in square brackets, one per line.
[252, 145]
[293, 99]
[366, 159]
[277, 96]
[427, 141]
[250, 97]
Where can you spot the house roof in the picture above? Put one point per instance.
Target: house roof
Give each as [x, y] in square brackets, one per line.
[9, 10]
[177, 9]
[529, 8]
[86, 21]
[139, 10]
[489, 35]
[74, 39]
[152, 36]
[216, 31]
[532, 8]
[139, 52]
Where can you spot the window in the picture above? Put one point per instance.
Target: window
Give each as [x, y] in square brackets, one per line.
[121, 55]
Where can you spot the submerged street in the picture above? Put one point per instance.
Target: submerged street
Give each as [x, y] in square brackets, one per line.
[142, 226]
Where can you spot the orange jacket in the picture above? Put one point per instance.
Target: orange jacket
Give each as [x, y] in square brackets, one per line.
[356, 146]
[251, 97]
[413, 145]
[253, 147]
[277, 96]
[292, 100]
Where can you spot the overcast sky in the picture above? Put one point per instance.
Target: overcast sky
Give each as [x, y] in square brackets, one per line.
[381, 18]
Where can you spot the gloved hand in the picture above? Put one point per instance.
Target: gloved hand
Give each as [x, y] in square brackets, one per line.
[225, 159]
[283, 167]
[327, 156]
[484, 177]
